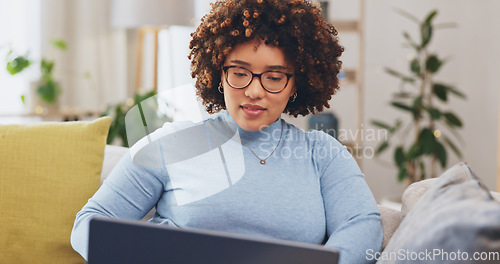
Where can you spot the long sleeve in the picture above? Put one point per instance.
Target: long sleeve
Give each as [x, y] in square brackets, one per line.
[352, 216]
[130, 192]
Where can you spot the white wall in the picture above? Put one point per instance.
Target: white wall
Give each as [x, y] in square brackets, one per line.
[474, 67]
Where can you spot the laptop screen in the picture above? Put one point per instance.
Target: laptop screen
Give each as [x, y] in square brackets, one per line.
[123, 241]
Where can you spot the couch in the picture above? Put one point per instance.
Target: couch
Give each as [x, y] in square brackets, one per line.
[449, 215]
[450, 219]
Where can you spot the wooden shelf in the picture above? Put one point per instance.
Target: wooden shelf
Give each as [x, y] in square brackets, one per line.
[348, 76]
[63, 114]
[346, 25]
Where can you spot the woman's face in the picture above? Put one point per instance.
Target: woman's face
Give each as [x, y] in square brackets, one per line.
[253, 108]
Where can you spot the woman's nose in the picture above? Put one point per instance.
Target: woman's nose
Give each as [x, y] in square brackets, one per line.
[255, 90]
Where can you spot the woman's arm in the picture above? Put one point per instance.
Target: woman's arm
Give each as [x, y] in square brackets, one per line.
[129, 192]
[352, 216]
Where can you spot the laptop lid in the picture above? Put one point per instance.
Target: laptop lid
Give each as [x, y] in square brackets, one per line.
[126, 242]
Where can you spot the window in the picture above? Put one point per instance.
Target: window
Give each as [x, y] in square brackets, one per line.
[18, 31]
[175, 85]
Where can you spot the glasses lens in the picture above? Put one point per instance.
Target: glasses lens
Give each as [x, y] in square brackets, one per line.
[238, 77]
[274, 81]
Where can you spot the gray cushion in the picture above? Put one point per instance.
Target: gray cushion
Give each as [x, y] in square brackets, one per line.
[455, 218]
[390, 219]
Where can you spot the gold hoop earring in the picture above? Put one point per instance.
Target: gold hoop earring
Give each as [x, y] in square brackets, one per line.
[293, 97]
[221, 90]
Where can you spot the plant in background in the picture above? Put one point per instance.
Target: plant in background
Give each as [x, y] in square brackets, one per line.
[47, 88]
[149, 107]
[421, 142]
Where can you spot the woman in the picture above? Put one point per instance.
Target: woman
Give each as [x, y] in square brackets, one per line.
[246, 170]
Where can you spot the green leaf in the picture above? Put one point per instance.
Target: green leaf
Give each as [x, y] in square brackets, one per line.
[415, 151]
[411, 42]
[59, 43]
[417, 103]
[382, 147]
[430, 16]
[433, 63]
[422, 170]
[453, 130]
[23, 98]
[440, 91]
[18, 64]
[415, 67]
[407, 15]
[413, 110]
[381, 124]
[434, 113]
[456, 92]
[440, 153]
[403, 77]
[403, 107]
[46, 67]
[399, 157]
[426, 33]
[426, 29]
[453, 147]
[402, 174]
[452, 119]
[426, 140]
[48, 91]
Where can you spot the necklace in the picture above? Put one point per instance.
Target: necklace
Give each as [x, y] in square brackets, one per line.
[262, 161]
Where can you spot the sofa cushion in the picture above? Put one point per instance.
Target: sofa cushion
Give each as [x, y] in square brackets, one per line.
[48, 172]
[390, 220]
[413, 193]
[455, 218]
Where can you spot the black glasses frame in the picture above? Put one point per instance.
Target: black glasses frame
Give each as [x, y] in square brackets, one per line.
[226, 68]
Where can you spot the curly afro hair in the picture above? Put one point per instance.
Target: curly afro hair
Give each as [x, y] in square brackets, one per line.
[296, 26]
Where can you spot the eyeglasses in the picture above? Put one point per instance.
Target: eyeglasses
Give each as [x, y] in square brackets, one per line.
[271, 81]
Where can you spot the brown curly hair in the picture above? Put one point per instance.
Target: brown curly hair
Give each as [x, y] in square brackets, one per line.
[296, 26]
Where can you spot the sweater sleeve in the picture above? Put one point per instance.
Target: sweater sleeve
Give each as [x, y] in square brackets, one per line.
[129, 192]
[352, 217]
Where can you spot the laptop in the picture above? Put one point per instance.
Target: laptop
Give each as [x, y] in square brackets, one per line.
[126, 242]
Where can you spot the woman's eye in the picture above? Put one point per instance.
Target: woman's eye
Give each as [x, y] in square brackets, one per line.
[274, 78]
[240, 74]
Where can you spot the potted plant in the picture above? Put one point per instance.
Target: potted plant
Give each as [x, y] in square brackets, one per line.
[422, 144]
[151, 116]
[47, 88]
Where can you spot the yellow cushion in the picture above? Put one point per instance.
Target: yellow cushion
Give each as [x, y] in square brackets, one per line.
[48, 171]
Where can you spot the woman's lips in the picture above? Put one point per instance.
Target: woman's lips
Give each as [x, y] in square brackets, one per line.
[252, 110]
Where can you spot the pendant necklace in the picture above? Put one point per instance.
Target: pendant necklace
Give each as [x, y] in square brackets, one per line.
[262, 161]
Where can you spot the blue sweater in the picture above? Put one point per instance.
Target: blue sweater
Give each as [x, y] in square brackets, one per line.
[310, 189]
